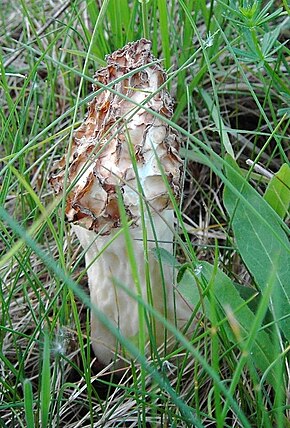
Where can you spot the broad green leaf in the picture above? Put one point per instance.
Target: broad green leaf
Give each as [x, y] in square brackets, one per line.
[278, 191]
[195, 283]
[165, 256]
[189, 288]
[253, 298]
[261, 242]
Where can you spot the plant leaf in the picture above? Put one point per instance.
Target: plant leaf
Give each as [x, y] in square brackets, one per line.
[165, 256]
[45, 395]
[253, 298]
[28, 403]
[278, 191]
[227, 297]
[261, 242]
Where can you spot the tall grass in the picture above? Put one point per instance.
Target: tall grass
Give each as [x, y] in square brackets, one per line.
[228, 70]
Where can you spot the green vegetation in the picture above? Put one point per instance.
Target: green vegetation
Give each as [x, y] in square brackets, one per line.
[228, 70]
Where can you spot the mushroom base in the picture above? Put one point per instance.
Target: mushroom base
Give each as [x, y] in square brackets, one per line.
[111, 267]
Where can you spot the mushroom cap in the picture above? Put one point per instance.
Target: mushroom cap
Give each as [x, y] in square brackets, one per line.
[114, 132]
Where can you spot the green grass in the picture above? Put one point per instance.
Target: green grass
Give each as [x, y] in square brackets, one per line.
[228, 70]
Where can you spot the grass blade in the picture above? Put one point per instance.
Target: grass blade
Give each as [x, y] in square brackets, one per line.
[28, 403]
[45, 394]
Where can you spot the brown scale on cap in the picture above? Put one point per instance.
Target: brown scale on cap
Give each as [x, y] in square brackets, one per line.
[100, 159]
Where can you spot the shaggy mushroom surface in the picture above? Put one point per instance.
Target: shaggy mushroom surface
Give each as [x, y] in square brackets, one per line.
[119, 149]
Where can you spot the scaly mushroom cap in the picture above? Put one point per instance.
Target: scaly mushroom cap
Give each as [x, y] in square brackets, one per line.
[100, 158]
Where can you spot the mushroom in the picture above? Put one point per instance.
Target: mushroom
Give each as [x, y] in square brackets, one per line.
[101, 168]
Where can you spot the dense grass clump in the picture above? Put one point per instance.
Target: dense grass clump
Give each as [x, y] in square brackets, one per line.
[227, 64]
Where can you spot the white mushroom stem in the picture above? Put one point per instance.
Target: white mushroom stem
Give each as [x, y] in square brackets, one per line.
[114, 143]
[115, 303]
